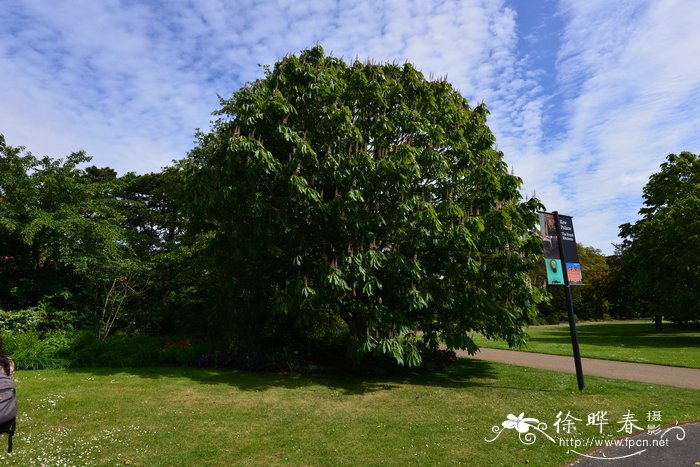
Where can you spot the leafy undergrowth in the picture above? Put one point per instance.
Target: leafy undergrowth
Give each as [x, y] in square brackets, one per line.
[81, 349]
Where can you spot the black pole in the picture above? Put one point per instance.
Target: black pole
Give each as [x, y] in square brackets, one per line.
[569, 306]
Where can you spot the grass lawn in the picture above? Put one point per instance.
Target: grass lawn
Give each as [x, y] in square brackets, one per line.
[633, 341]
[167, 417]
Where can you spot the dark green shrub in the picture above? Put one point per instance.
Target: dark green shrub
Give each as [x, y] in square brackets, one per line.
[118, 351]
[31, 352]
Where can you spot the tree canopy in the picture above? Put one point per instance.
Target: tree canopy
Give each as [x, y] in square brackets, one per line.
[59, 228]
[361, 192]
[663, 247]
[81, 241]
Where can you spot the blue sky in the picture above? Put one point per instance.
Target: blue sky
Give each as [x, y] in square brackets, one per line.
[587, 97]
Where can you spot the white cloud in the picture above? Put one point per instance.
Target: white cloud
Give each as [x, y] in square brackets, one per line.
[129, 82]
[631, 80]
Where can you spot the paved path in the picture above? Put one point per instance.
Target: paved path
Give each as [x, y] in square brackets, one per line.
[656, 374]
[673, 446]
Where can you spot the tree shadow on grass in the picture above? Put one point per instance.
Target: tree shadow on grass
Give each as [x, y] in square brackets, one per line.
[464, 373]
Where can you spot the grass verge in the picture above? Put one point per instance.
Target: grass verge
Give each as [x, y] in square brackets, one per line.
[634, 341]
[168, 416]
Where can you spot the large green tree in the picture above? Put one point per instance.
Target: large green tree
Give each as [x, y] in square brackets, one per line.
[663, 247]
[368, 193]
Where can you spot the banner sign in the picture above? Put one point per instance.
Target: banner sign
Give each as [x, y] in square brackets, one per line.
[568, 244]
[551, 238]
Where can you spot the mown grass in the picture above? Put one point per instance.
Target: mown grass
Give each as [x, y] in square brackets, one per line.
[188, 417]
[634, 341]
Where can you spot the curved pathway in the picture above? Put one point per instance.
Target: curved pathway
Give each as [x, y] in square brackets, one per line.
[655, 374]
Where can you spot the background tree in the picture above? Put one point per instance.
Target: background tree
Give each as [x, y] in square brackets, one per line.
[363, 193]
[154, 224]
[149, 210]
[663, 247]
[618, 287]
[60, 236]
[592, 301]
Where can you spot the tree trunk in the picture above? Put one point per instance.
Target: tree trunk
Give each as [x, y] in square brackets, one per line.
[358, 332]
